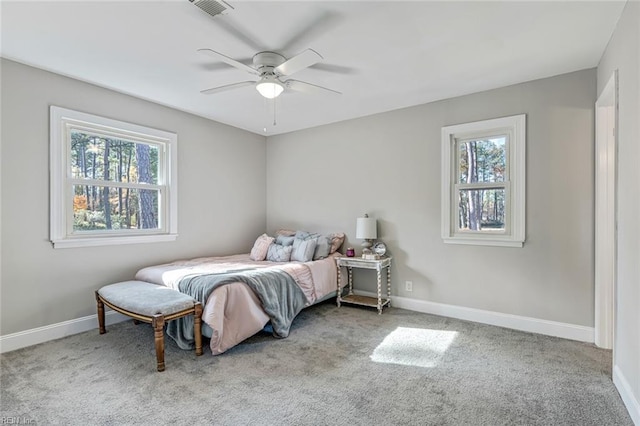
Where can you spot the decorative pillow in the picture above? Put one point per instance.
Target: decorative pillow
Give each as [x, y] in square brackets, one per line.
[279, 253]
[286, 232]
[336, 241]
[323, 246]
[303, 250]
[302, 235]
[323, 243]
[260, 247]
[285, 240]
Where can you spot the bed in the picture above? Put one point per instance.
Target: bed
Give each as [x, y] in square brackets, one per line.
[243, 293]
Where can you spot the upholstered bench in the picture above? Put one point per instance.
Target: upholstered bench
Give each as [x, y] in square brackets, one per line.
[150, 303]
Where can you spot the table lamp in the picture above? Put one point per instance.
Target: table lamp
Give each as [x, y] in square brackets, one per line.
[366, 230]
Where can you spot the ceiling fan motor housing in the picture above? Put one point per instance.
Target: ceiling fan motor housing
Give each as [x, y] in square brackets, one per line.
[265, 62]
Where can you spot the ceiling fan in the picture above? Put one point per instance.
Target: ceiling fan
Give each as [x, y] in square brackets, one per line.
[271, 68]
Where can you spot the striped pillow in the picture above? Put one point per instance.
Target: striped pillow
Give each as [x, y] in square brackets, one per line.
[303, 250]
[323, 243]
[261, 247]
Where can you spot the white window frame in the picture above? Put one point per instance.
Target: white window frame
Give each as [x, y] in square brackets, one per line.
[62, 121]
[514, 128]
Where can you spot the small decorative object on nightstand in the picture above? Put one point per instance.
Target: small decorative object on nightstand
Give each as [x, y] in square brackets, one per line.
[379, 249]
[355, 262]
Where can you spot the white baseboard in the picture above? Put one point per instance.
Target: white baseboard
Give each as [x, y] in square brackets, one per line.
[22, 339]
[624, 389]
[34, 336]
[516, 322]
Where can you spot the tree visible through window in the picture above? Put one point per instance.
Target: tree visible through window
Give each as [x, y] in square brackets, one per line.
[482, 165]
[100, 163]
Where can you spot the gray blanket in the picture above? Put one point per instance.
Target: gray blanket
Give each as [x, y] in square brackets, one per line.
[281, 298]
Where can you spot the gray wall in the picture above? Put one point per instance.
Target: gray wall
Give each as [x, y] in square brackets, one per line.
[388, 165]
[623, 54]
[221, 209]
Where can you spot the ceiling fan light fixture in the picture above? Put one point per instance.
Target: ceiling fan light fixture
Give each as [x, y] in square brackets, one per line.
[270, 88]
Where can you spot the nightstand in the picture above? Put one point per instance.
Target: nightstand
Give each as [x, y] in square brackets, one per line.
[357, 262]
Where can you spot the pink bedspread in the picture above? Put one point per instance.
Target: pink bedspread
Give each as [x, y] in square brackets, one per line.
[233, 311]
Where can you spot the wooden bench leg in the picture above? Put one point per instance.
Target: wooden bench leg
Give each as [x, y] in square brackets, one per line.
[197, 327]
[100, 314]
[158, 329]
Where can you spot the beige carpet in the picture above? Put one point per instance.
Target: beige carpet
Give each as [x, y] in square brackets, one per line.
[346, 366]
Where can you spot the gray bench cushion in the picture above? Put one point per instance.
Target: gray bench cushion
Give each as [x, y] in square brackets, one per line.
[146, 299]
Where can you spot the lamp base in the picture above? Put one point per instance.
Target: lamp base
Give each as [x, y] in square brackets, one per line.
[366, 246]
[366, 250]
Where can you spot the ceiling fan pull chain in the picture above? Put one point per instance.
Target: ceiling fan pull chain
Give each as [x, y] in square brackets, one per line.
[265, 103]
[274, 111]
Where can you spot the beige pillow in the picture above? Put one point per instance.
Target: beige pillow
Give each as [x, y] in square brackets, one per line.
[336, 241]
[261, 247]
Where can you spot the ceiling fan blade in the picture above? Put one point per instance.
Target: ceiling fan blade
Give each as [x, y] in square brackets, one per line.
[336, 69]
[299, 62]
[217, 66]
[227, 87]
[301, 86]
[228, 60]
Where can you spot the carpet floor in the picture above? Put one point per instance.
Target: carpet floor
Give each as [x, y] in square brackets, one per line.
[339, 366]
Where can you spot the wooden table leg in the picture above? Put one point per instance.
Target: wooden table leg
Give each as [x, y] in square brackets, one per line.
[197, 328]
[158, 329]
[100, 314]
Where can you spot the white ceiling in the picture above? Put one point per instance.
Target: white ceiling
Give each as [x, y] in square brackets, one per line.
[380, 55]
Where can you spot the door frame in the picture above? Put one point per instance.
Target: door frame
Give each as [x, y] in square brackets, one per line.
[606, 165]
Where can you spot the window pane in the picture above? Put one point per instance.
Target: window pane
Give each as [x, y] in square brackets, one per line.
[110, 159]
[481, 209]
[125, 208]
[482, 160]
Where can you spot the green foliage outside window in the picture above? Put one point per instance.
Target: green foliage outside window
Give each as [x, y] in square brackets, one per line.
[104, 163]
[482, 162]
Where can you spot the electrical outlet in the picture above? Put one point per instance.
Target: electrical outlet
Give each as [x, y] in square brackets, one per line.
[408, 285]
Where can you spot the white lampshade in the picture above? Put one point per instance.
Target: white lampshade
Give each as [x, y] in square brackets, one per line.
[366, 228]
[270, 88]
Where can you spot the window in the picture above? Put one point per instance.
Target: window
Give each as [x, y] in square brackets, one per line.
[111, 182]
[483, 182]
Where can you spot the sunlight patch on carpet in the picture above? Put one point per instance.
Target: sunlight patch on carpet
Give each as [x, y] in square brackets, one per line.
[414, 346]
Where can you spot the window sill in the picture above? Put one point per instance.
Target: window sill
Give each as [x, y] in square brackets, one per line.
[484, 242]
[112, 241]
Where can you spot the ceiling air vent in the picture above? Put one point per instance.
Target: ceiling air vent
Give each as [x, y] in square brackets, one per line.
[212, 7]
